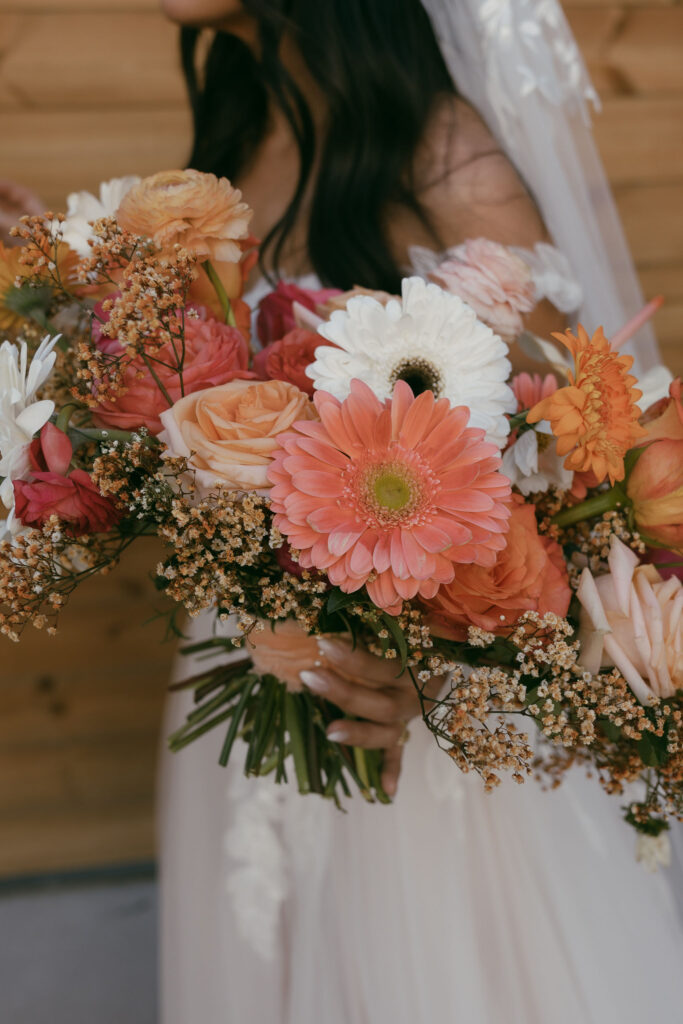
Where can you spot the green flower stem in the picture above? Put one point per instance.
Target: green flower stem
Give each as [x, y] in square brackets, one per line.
[296, 740]
[360, 760]
[94, 434]
[64, 417]
[591, 507]
[220, 292]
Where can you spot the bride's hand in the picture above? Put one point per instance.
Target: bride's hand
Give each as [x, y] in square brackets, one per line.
[371, 689]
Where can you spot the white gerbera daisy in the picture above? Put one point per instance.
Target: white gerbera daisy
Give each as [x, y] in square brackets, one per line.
[21, 417]
[432, 340]
[83, 208]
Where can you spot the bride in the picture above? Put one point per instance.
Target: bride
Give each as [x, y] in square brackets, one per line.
[364, 132]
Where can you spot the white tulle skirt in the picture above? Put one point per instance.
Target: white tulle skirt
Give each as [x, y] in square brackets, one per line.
[451, 905]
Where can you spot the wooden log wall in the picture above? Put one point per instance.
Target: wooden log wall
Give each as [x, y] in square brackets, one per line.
[90, 89]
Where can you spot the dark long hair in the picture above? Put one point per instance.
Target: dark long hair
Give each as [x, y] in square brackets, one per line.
[379, 67]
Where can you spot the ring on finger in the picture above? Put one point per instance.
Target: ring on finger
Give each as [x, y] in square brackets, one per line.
[405, 735]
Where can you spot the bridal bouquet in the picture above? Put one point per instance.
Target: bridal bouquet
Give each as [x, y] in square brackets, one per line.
[373, 473]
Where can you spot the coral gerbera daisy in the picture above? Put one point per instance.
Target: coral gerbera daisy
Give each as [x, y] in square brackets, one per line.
[429, 338]
[594, 418]
[389, 494]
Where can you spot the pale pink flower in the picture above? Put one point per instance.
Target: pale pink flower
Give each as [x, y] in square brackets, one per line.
[391, 495]
[494, 281]
[633, 619]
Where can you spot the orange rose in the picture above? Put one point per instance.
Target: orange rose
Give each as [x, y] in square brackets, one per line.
[229, 433]
[529, 575]
[201, 212]
[655, 486]
[283, 652]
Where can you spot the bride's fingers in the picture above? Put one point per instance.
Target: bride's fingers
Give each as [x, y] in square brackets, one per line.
[370, 735]
[361, 701]
[359, 665]
[391, 769]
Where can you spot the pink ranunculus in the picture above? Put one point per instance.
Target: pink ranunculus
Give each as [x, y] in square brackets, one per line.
[276, 315]
[288, 358]
[530, 389]
[494, 281]
[633, 619]
[52, 491]
[214, 354]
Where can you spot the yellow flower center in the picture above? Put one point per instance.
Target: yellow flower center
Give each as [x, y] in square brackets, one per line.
[392, 491]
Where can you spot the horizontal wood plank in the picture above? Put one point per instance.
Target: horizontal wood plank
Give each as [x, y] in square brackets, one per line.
[100, 61]
[652, 220]
[60, 152]
[630, 130]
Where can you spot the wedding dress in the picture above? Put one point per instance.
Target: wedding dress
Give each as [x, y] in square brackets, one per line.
[519, 906]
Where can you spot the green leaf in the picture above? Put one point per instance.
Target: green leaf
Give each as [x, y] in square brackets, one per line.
[652, 750]
[338, 600]
[631, 458]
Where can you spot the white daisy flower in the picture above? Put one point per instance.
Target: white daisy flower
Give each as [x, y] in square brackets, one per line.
[83, 208]
[532, 464]
[432, 340]
[21, 417]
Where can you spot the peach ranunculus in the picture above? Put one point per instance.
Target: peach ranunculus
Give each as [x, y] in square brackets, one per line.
[288, 358]
[214, 354]
[284, 652]
[493, 280]
[229, 433]
[655, 488]
[633, 619]
[198, 211]
[341, 300]
[529, 575]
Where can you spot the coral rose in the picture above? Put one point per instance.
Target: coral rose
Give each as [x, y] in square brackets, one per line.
[655, 487]
[529, 575]
[633, 619]
[214, 354]
[284, 652]
[288, 358]
[201, 212]
[229, 433]
[73, 498]
[493, 280]
[276, 312]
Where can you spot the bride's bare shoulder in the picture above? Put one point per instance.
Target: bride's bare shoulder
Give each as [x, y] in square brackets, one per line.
[467, 185]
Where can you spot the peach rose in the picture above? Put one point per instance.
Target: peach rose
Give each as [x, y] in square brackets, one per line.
[284, 652]
[229, 433]
[655, 487]
[201, 212]
[494, 281]
[633, 619]
[529, 575]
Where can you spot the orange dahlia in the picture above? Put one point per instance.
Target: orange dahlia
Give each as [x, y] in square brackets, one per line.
[594, 418]
[389, 494]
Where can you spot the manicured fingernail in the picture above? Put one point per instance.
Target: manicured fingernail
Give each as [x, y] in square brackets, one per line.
[337, 734]
[390, 787]
[314, 682]
[329, 647]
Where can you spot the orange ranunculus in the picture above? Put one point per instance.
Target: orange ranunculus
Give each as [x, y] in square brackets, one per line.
[594, 418]
[664, 419]
[201, 212]
[229, 433]
[529, 575]
[655, 486]
[233, 277]
[284, 651]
